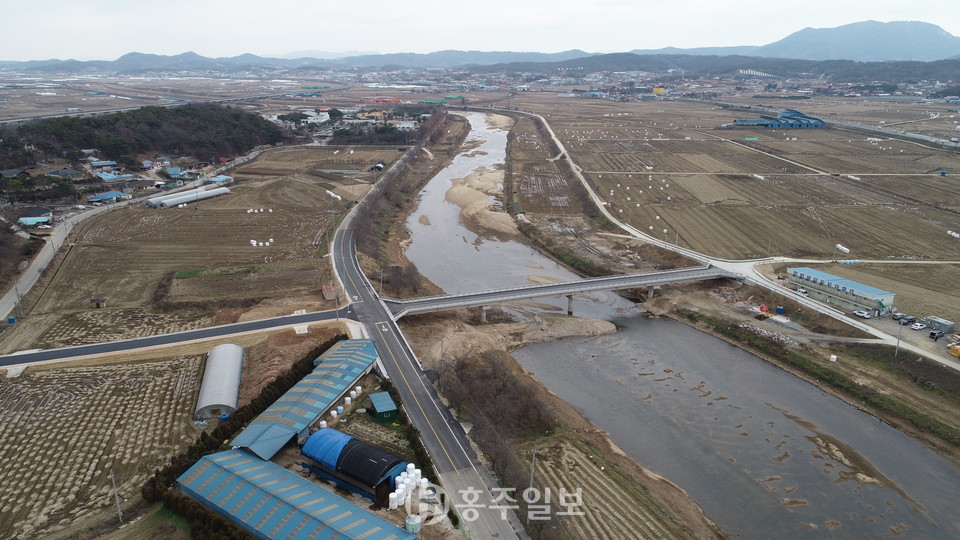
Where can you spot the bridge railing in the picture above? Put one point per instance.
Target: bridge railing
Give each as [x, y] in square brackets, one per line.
[704, 271]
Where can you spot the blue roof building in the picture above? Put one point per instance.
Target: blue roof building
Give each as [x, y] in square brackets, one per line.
[336, 371]
[383, 406]
[109, 196]
[103, 164]
[271, 502]
[842, 292]
[352, 464]
[110, 177]
[33, 221]
[66, 173]
[787, 118]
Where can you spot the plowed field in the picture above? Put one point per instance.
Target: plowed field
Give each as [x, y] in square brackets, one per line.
[738, 193]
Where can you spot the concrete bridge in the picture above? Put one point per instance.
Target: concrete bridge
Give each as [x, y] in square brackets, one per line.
[430, 304]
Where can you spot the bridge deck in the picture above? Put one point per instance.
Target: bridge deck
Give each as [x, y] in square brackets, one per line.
[400, 308]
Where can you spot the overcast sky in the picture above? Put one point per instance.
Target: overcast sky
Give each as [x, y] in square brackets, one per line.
[107, 29]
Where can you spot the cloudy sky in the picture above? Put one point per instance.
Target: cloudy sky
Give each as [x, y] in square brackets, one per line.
[107, 29]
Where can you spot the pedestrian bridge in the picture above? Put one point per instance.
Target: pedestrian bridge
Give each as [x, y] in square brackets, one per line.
[400, 308]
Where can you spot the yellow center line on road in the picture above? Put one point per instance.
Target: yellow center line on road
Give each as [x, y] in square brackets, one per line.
[419, 406]
[342, 252]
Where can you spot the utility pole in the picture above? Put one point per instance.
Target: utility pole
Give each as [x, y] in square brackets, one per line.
[442, 339]
[533, 467]
[16, 289]
[116, 495]
[899, 333]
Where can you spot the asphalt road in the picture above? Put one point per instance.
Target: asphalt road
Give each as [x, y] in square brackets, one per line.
[172, 339]
[31, 274]
[440, 433]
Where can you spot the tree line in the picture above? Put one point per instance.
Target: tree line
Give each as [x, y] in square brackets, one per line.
[205, 131]
[14, 249]
[505, 412]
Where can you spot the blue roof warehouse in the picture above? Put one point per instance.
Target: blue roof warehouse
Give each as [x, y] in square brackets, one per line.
[838, 291]
[292, 415]
[269, 501]
[787, 119]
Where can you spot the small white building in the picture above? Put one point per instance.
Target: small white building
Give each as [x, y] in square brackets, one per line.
[221, 381]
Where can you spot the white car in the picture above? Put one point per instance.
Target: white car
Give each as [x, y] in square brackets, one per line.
[44, 227]
[862, 314]
[917, 326]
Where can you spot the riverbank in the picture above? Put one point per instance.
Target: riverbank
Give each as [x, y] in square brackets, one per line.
[918, 397]
[616, 488]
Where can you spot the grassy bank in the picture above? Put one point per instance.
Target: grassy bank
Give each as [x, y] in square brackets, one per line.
[828, 376]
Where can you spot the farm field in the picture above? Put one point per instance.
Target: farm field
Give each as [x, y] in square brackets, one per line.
[197, 259]
[322, 163]
[738, 193]
[64, 426]
[617, 507]
[934, 119]
[539, 185]
[63, 430]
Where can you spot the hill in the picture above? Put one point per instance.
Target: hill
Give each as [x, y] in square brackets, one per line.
[868, 41]
[204, 131]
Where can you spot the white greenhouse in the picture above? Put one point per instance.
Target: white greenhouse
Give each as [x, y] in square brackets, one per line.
[153, 202]
[189, 197]
[221, 381]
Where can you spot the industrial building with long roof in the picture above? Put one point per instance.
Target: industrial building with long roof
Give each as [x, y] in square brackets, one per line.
[788, 118]
[838, 291]
[269, 501]
[292, 415]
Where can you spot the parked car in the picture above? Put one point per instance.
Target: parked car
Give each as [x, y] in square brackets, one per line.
[907, 319]
[44, 227]
[917, 326]
[936, 334]
[898, 316]
[862, 314]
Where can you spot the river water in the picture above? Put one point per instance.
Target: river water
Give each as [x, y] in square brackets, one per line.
[764, 453]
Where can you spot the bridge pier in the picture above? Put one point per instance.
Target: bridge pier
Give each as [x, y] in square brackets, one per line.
[651, 290]
[569, 305]
[483, 313]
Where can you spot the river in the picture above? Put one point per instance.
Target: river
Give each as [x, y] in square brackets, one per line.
[763, 452]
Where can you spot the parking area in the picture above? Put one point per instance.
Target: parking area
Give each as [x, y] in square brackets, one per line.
[907, 332]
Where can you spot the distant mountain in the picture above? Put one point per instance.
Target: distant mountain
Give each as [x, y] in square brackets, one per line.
[451, 59]
[322, 55]
[136, 62]
[745, 50]
[868, 41]
[695, 67]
